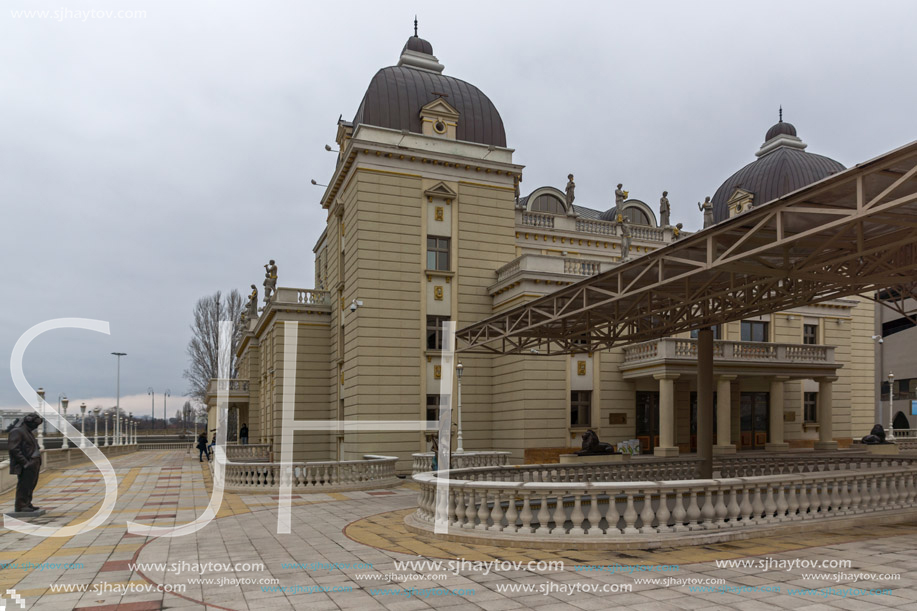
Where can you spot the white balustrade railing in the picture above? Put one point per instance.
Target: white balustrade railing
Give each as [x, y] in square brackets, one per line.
[603, 510]
[582, 267]
[600, 227]
[301, 296]
[640, 232]
[685, 348]
[166, 445]
[371, 472]
[538, 220]
[423, 461]
[248, 452]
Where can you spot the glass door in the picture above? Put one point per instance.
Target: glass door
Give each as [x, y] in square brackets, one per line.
[647, 420]
[754, 419]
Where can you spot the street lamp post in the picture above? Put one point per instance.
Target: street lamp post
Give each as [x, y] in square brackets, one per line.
[165, 412]
[152, 402]
[83, 425]
[459, 449]
[41, 412]
[118, 391]
[130, 428]
[891, 407]
[105, 439]
[64, 402]
[96, 411]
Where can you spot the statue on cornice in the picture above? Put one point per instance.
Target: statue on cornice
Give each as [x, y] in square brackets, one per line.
[620, 196]
[270, 280]
[571, 186]
[252, 306]
[707, 209]
[665, 210]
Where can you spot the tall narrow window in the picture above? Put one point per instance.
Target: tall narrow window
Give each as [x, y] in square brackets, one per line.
[580, 407]
[810, 334]
[432, 408]
[435, 332]
[438, 253]
[810, 406]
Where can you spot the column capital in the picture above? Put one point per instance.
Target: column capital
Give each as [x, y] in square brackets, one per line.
[727, 378]
[779, 378]
[828, 379]
[666, 376]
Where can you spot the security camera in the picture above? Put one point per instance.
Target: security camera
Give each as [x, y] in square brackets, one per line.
[356, 303]
[878, 337]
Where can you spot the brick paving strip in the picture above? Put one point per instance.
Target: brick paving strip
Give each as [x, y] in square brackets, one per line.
[363, 527]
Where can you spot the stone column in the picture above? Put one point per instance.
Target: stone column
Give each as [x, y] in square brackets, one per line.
[666, 445]
[825, 415]
[724, 444]
[776, 443]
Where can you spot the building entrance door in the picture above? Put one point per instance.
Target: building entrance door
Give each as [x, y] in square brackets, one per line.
[647, 420]
[753, 416]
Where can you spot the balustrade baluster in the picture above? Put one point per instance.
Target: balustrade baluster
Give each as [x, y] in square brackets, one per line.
[770, 507]
[720, 511]
[496, 514]
[544, 517]
[630, 515]
[693, 512]
[526, 514]
[679, 512]
[594, 516]
[792, 510]
[560, 516]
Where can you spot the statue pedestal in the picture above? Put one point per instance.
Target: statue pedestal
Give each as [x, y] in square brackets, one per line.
[25, 514]
[883, 449]
[572, 459]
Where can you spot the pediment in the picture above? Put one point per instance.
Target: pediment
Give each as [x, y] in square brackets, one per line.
[442, 191]
[439, 108]
[740, 195]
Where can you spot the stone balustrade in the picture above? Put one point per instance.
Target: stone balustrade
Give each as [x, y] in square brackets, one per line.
[255, 452]
[370, 473]
[668, 348]
[166, 445]
[654, 513]
[749, 466]
[535, 219]
[423, 461]
[301, 296]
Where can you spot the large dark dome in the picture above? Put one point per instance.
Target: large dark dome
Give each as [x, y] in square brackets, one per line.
[396, 94]
[782, 167]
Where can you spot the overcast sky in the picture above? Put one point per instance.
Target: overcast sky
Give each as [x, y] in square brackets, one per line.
[147, 162]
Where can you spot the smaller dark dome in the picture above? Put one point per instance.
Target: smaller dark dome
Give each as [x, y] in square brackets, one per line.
[415, 43]
[780, 128]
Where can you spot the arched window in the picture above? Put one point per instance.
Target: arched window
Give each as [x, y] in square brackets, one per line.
[636, 216]
[547, 203]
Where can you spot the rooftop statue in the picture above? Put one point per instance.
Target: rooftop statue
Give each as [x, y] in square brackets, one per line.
[625, 241]
[252, 305]
[620, 196]
[665, 210]
[270, 280]
[592, 446]
[569, 191]
[707, 209]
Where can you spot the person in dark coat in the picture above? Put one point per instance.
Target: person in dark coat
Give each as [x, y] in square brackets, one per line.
[25, 460]
[243, 434]
[202, 446]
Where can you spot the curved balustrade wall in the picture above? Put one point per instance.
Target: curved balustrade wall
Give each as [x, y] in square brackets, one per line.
[423, 461]
[370, 473]
[548, 505]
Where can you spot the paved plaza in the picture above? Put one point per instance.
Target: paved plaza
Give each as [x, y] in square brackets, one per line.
[344, 547]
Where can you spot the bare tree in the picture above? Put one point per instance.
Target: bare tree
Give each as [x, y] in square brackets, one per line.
[204, 347]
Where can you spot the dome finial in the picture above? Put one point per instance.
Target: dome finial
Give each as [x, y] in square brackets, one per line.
[781, 106]
[415, 25]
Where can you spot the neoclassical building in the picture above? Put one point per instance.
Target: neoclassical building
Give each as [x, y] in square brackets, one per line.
[426, 224]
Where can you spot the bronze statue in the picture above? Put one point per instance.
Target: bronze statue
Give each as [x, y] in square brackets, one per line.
[569, 190]
[875, 437]
[707, 209]
[25, 461]
[592, 446]
[664, 210]
[270, 280]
